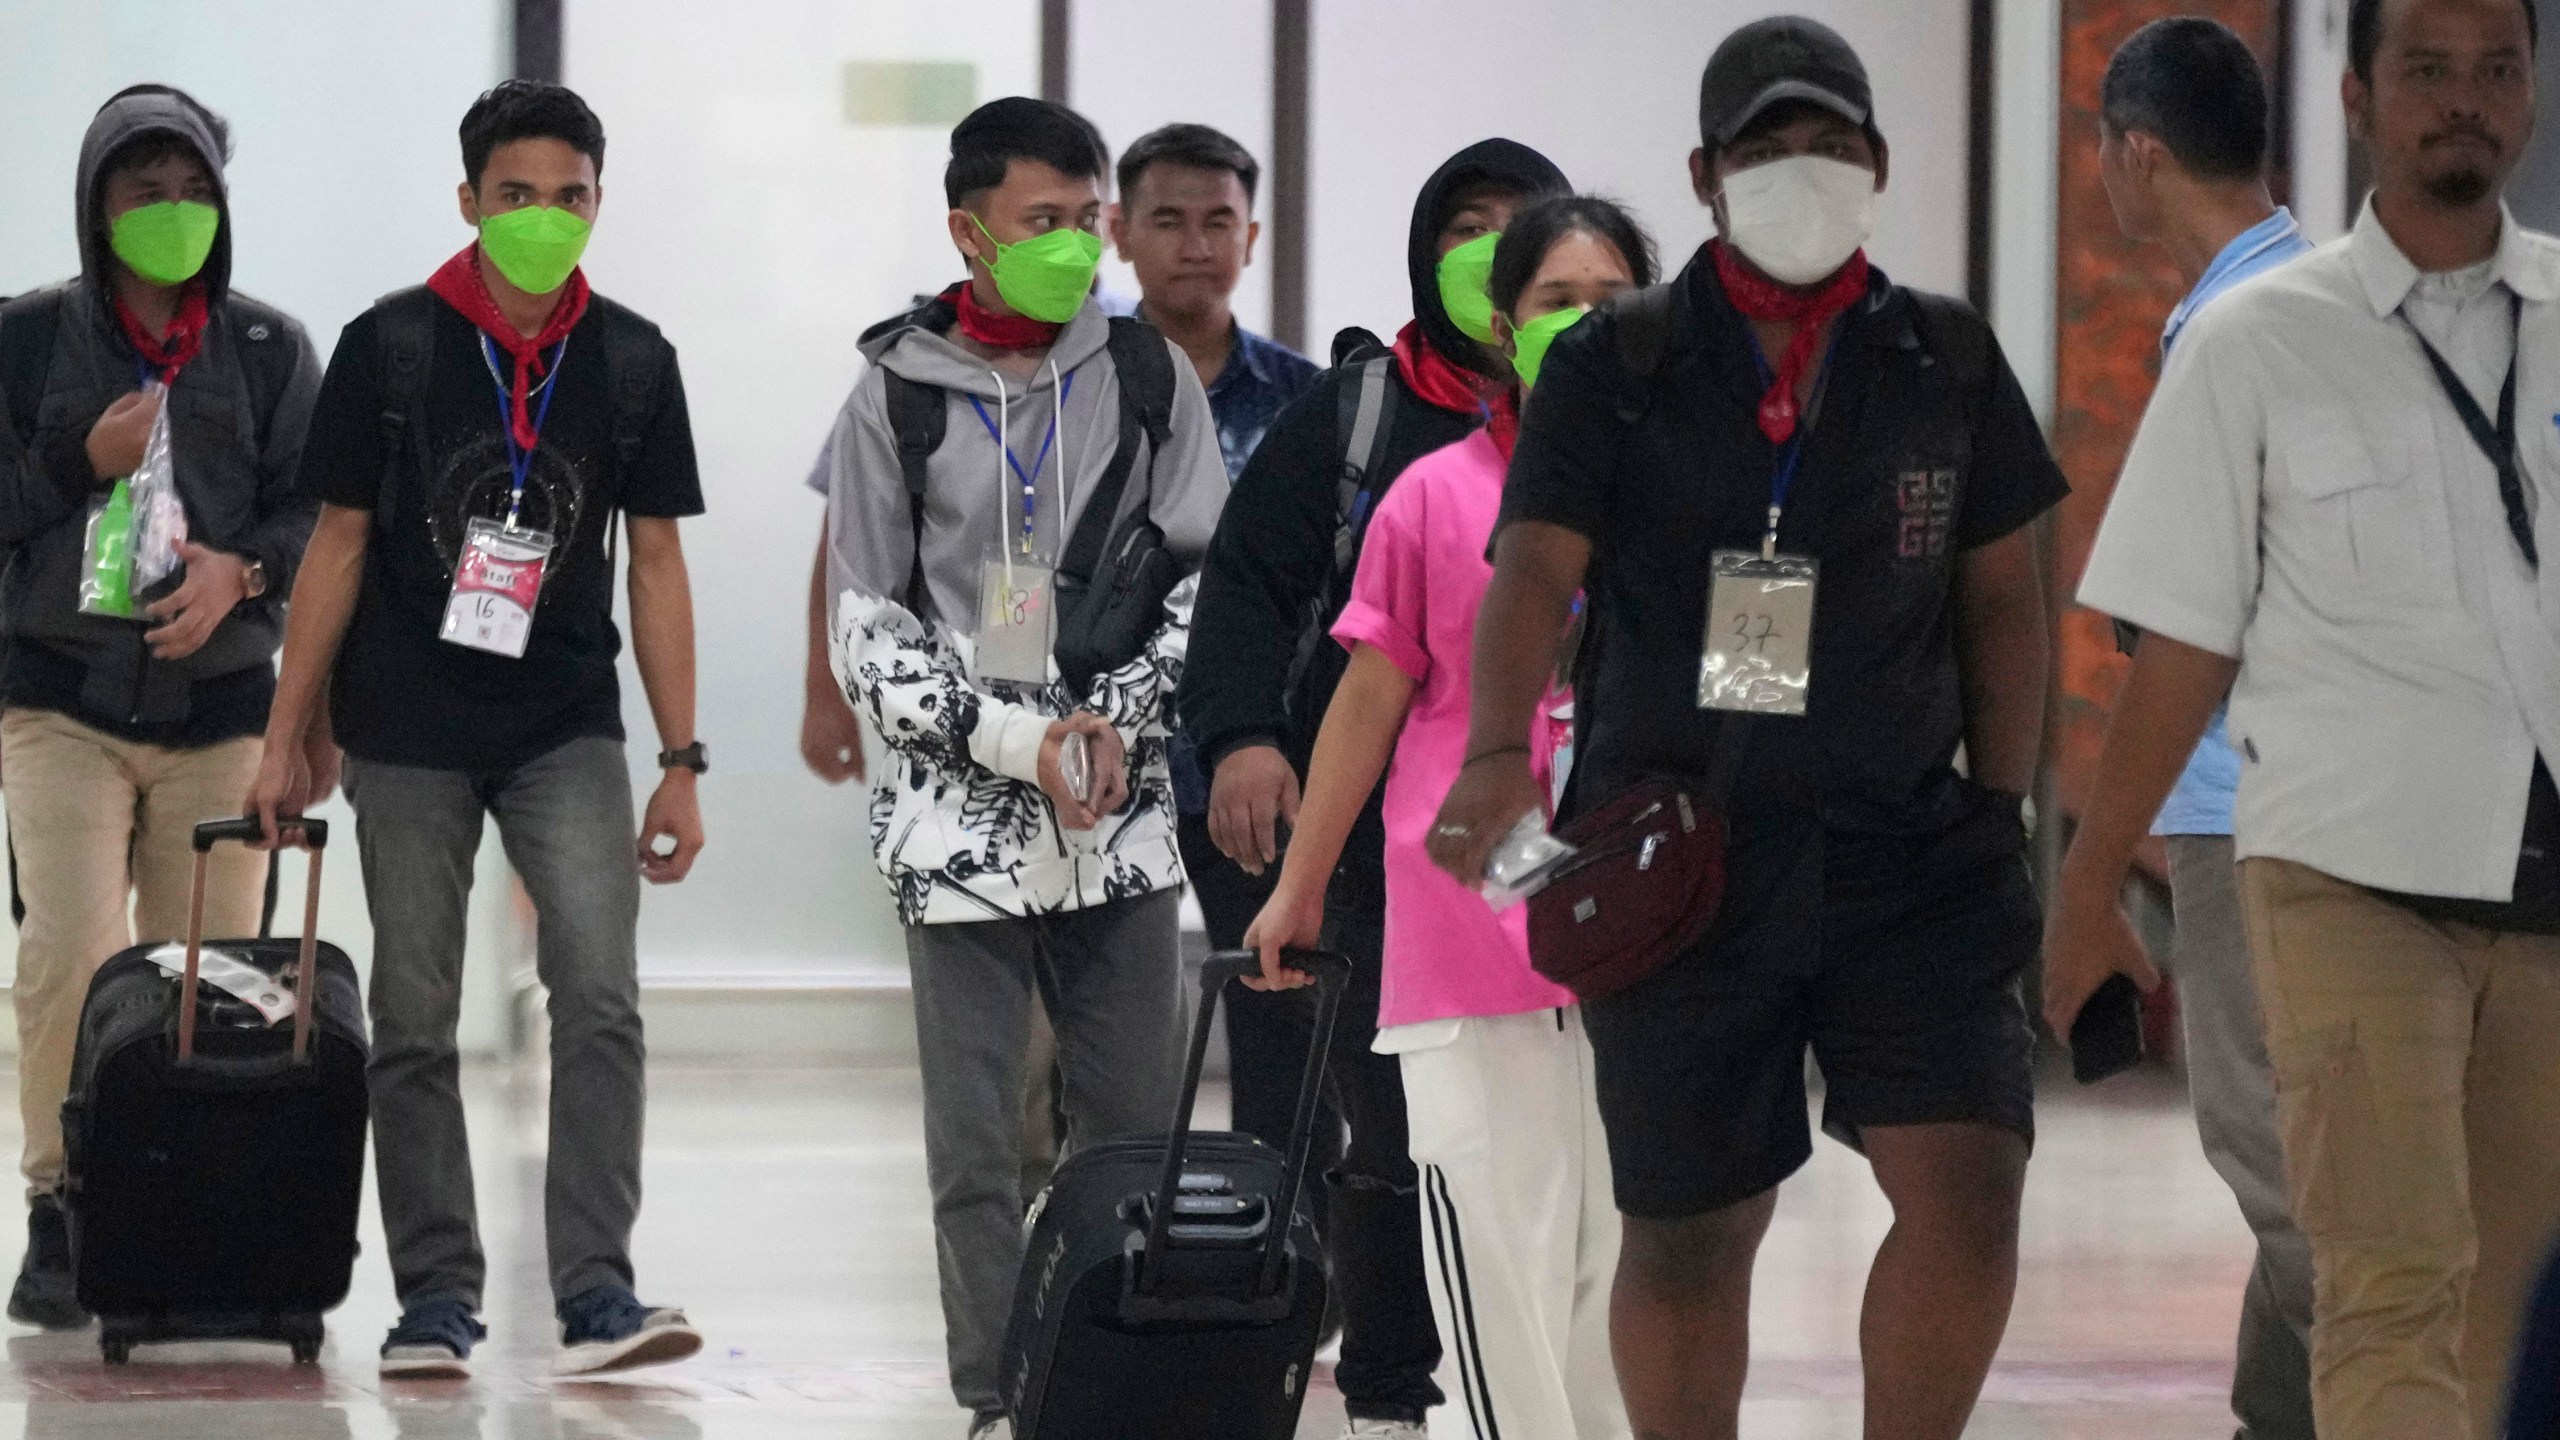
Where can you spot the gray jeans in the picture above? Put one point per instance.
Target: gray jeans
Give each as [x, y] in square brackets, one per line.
[566, 821]
[1117, 1007]
[2235, 1102]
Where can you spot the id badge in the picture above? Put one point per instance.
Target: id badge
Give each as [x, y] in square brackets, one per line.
[1017, 621]
[495, 588]
[1759, 650]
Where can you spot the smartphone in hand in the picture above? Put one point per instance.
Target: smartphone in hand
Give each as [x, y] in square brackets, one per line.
[2106, 1040]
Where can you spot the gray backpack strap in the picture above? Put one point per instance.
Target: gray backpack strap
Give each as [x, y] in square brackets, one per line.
[1363, 452]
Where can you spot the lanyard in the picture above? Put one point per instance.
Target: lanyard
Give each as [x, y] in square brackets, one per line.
[1782, 482]
[520, 460]
[1030, 491]
[2497, 441]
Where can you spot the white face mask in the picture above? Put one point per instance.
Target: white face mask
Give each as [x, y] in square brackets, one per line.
[1801, 218]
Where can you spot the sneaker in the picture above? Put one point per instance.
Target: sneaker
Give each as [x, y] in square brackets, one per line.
[432, 1342]
[1385, 1430]
[997, 1429]
[608, 1329]
[45, 1294]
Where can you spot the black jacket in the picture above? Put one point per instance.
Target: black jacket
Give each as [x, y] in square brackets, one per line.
[237, 417]
[1270, 570]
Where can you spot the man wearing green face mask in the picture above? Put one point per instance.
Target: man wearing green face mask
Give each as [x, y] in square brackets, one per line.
[1001, 427]
[454, 631]
[120, 734]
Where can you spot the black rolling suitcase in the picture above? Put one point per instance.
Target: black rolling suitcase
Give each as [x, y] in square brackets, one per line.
[213, 1162]
[1164, 1296]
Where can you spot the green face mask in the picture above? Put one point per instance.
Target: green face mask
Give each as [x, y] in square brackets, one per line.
[1464, 273]
[1530, 341]
[1047, 276]
[535, 247]
[166, 243]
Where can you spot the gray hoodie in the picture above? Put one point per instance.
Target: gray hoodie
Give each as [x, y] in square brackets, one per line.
[958, 821]
[237, 416]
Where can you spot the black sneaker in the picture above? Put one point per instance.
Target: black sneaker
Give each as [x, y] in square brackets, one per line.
[432, 1342]
[608, 1329]
[45, 1294]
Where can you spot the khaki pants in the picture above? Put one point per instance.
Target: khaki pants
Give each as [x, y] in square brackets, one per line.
[2418, 1084]
[104, 835]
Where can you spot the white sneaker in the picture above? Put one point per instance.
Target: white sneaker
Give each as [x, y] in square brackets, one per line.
[1385, 1430]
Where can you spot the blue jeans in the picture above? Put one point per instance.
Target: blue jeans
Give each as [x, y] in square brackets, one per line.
[566, 821]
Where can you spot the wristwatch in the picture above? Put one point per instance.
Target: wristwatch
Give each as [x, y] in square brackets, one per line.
[695, 757]
[253, 579]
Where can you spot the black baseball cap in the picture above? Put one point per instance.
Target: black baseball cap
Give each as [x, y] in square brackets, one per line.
[1785, 57]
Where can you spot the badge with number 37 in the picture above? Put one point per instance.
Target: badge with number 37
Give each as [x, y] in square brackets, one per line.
[1759, 643]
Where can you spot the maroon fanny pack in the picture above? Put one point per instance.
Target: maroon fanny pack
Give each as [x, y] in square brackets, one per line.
[1645, 883]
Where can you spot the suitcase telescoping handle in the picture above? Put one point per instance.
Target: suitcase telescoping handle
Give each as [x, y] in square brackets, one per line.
[312, 835]
[1331, 972]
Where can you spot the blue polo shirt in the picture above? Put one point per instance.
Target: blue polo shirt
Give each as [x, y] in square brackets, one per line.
[1260, 379]
[2201, 803]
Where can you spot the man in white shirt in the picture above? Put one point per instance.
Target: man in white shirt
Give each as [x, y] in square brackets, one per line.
[2312, 519]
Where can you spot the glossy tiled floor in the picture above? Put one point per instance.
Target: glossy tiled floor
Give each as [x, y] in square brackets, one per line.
[786, 1211]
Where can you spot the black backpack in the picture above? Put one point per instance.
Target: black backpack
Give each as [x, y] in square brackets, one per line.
[404, 342]
[1107, 611]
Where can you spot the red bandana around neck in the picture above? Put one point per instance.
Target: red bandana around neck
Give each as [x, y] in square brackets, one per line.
[1502, 420]
[169, 353]
[1435, 377]
[999, 332]
[459, 285]
[1810, 311]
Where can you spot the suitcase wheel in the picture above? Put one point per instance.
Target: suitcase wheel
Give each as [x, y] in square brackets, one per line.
[116, 1339]
[304, 1333]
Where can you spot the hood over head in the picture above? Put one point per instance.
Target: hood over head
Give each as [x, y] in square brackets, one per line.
[1506, 162]
[134, 112]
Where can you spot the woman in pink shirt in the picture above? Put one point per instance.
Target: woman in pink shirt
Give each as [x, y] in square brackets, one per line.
[1497, 1074]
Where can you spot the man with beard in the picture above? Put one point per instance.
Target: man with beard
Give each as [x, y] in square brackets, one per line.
[2328, 514]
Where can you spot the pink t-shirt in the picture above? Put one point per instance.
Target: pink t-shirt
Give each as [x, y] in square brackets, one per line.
[1422, 574]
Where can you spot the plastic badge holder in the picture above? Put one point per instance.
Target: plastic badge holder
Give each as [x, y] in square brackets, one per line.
[1523, 863]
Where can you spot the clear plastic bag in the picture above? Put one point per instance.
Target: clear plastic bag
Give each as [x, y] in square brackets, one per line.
[159, 517]
[1523, 863]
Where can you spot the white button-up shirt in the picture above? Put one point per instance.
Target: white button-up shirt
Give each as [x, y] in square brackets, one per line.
[2304, 497]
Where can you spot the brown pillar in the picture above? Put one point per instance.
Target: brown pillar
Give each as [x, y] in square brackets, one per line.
[2111, 299]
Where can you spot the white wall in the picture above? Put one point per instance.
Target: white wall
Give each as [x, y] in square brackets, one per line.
[764, 232]
[2026, 192]
[342, 188]
[1610, 93]
[1219, 74]
[2320, 198]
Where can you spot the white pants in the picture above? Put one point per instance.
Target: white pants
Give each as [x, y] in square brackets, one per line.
[1524, 1232]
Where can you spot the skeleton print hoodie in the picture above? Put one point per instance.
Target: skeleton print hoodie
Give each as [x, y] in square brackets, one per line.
[958, 821]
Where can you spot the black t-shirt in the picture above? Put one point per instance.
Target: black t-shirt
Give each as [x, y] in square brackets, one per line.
[403, 695]
[1902, 473]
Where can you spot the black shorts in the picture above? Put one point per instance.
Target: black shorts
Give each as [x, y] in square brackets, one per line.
[1907, 991]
